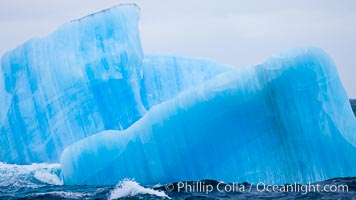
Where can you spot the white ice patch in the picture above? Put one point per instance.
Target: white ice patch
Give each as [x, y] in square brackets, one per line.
[129, 188]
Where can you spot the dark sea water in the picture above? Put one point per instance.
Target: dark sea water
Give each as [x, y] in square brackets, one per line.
[353, 105]
[42, 181]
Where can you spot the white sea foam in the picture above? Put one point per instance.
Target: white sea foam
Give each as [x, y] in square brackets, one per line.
[129, 188]
[66, 195]
[48, 177]
[34, 175]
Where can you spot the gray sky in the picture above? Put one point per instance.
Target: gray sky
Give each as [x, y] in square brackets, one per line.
[237, 32]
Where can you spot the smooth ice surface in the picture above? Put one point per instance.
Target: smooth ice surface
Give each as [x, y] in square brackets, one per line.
[287, 120]
[88, 76]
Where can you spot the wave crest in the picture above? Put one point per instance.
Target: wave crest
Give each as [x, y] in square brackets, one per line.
[32, 176]
[129, 188]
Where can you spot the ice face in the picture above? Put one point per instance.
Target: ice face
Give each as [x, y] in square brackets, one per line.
[86, 77]
[56, 88]
[287, 120]
[165, 76]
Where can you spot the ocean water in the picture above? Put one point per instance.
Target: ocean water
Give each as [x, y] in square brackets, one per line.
[353, 105]
[43, 181]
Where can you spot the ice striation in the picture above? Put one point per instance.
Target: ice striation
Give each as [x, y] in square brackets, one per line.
[287, 120]
[165, 76]
[55, 88]
[86, 77]
[88, 96]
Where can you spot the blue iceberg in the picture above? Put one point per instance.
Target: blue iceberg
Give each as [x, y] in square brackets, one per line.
[287, 120]
[54, 89]
[88, 76]
[89, 97]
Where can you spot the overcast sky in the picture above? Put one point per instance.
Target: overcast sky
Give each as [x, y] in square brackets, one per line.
[237, 32]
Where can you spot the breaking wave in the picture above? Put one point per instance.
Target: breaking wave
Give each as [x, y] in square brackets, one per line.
[32, 176]
[130, 188]
[44, 181]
